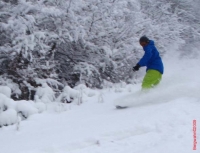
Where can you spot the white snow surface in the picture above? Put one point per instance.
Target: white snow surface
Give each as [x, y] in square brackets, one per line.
[158, 121]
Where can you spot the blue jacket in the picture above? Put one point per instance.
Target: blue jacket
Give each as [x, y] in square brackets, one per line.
[151, 58]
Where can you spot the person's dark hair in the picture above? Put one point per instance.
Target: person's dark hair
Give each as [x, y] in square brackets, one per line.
[144, 39]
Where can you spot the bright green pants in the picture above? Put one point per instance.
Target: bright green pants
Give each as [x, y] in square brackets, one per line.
[151, 79]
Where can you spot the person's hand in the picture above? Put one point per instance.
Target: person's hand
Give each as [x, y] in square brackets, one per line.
[136, 68]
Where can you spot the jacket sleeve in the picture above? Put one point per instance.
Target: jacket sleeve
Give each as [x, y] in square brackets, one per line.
[145, 59]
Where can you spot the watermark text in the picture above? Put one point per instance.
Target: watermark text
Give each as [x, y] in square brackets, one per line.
[194, 135]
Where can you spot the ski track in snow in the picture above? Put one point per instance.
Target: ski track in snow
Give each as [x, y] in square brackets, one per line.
[157, 121]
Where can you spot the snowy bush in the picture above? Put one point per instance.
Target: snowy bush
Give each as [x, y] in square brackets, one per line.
[68, 95]
[85, 90]
[8, 117]
[5, 90]
[15, 91]
[6, 103]
[81, 87]
[45, 93]
[8, 114]
[12, 112]
[39, 104]
[26, 108]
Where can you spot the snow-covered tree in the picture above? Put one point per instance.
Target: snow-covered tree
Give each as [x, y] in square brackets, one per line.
[87, 41]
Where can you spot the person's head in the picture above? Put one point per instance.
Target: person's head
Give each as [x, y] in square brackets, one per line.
[144, 41]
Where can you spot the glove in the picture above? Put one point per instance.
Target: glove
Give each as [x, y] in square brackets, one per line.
[136, 68]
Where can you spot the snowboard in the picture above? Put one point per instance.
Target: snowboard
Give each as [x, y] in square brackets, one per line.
[121, 107]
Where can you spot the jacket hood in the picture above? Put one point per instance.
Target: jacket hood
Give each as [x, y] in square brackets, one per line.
[151, 43]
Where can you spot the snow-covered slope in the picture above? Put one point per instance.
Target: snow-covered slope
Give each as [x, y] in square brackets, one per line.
[158, 121]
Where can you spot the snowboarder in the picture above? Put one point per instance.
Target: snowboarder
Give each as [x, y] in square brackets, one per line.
[152, 61]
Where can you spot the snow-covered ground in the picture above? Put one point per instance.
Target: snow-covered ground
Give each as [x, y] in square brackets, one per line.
[159, 121]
